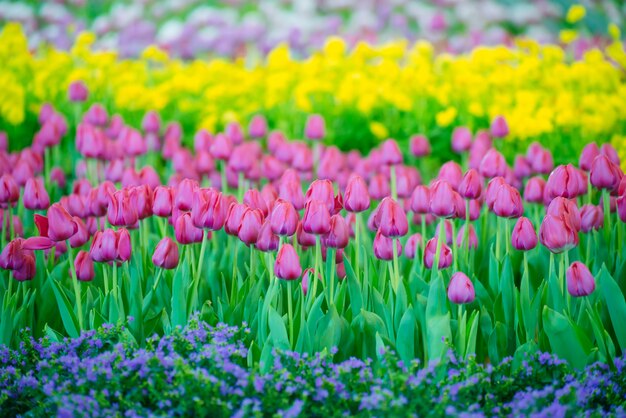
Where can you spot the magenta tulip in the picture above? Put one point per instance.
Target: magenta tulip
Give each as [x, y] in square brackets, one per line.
[580, 281]
[461, 289]
[287, 265]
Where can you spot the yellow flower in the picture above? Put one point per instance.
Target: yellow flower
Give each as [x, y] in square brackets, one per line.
[614, 31]
[154, 53]
[568, 36]
[335, 47]
[575, 13]
[379, 130]
[446, 117]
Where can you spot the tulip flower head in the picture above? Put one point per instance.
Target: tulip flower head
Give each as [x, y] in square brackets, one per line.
[166, 254]
[287, 265]
[461, 289]
[524, 237]
[580, 281]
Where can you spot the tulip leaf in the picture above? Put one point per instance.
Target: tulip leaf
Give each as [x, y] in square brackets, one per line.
[507, 286]
[405, 340]
[70, 321]
[616, 305]
[278, 331]
[567, 340]
[328, 332]
[179, 294]
[354, 288]
[496, 346]
[470, 347]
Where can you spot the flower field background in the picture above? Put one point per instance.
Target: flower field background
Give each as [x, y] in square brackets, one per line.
[387, 225]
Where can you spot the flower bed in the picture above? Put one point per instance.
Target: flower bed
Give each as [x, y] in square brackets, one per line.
[202, 371]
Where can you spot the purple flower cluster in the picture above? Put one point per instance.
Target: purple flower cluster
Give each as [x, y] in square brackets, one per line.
[202, 370]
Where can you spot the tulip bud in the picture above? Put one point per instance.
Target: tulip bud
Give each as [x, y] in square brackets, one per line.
[234, 132]
[411, 245]
[184, 194]
[267, 241]
[58, 176]
[13, 255]
[258, 127]
[121, 211]
[588, 154]
[316, 218]
[287, 265]
[391, 153]
[234, 217]
[471, 187]
[565, 208]
[304, 238]
[162, 201]
[27, 270]
[499, 127]
[81, 236]
[151, 122]
[543, 162]
[339, 235]
[166, 254]
[379, 187]
[524, 237]
[607, 150]
[580, 281]
[251, 223]
[508, 202]
[604, 174]
[445, 255]
[563, 181]
[419, 145]
[420, 200]
[442, 199]
[185, 231]
[592, 217]
[557, 234]
[35, 195]
[61, 226]
[77, 91]
[534, 190]
[392, 219]
[290, 189]
[356, 198]
[493, 164]
[521, 167]
[9, 190]
[307, 278]
[84, 267]
[284, 218]
[461, 139]
[315, 127]
[472, 238]
[383, 247]
[254, 200]
[461, 289]
[221, 148]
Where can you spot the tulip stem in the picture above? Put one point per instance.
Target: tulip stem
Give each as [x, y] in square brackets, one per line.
[313, 294]
[330, 262]
[252, 267]
[435, 266]
[396, 269]
[201, 258]
[465, 243]
[565, 258]
[79, 302]
[423, 240]
[453, 247]
[10, 226]
[394, 191]
[290, 312]
[526, 270]
[507, 236]
[105, 279]
[498, 238]
[606, 201]
[357, 242]
[240, 187]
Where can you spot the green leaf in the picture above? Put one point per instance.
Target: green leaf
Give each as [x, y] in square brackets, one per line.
[437, 320]
[278, 331]
[496, 345]
[328, 332]
[405, 341]
[179, 294]
[70, 321]
[566, 339]
[616, 305]
[354, 288]
[470, 347]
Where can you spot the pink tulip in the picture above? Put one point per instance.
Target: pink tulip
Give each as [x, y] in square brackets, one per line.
[13, 255]
[307, 278]
[166, 254]
[499, 127]
[445, 255]
[302, 157]
[592, 217]
[316, 218]
[304, 238]
[471, 187]
[524, 237]
[84, 267]
[235, 132]
[81, 236]
[534, 190]
[411, 245]
[419, 145]
[588, 154]
[184, 194]
[563, 181]
[420, 200]
[258, 127]
[356, 197]
[580, 281]
[9, 191]
[35, 195]
[222, 147]
[461, 139]
[472, 238]
[323, 191]
[254, 200]
[162, 201]
[461, 289]
[604, 174]
[392, 219]
[287, 265]
[58, 176]
[234, 218]
[621, 207]
[339, 235]
[493, 164]
[557, 234]
[61, 226]
[442, 199]
[185, 231]
[121, 211]
[27, 270]
[567, 209]
[267, 241]
[291, 191]
[251, 223]
[521, 167]
[77, 91]
[383, 247]
[284, 218]
[607, 150]
[391, 153]
[315, 127]
[151, 122]
[379, 187]
[508, 202]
